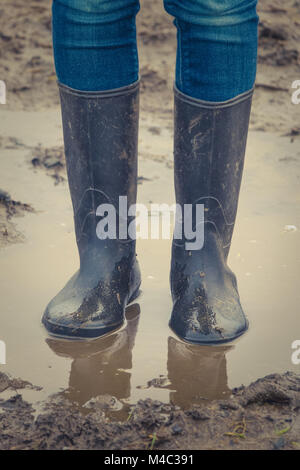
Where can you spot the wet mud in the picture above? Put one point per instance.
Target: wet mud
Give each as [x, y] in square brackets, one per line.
[264, 415]
[9, 209]
[51, 160]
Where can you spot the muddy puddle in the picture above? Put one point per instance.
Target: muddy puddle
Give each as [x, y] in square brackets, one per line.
[144, 359]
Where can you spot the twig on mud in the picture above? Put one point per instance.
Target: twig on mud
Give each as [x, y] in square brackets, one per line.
[266, 86]
[273, 9]
[154, 439]
[279, 432]
[239, 430]
[130, 414]
[235, 434]
[22, 88]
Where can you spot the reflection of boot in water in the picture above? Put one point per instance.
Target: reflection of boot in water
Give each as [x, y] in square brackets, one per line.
[196, 373]
[100, 367]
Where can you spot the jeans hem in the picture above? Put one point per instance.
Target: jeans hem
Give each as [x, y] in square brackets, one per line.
[125, 90]
[213, 104]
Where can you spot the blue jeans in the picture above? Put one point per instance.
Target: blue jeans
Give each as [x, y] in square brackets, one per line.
[95, 45]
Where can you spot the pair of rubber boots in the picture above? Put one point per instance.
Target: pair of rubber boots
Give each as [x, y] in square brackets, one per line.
[101, 136]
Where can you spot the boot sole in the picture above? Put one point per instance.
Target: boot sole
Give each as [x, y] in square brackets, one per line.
[211, 343]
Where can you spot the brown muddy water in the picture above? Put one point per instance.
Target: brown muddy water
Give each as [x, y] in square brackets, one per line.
[144, 359]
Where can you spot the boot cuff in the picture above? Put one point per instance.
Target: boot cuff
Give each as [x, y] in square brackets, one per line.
[213, 104]
[125, 90]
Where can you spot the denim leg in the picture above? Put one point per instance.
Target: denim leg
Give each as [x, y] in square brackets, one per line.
[217, 47]
[94, 43]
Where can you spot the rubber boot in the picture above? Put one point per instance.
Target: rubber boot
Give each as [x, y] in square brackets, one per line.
[209, 149]
[100, 135]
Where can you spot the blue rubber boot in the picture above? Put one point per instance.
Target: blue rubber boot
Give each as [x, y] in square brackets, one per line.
[209, 149]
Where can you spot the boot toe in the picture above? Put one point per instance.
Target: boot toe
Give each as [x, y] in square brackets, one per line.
[83, 313]
[70, 326]
[208, 323]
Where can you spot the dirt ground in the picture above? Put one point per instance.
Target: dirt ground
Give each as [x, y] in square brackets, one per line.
[264, 415]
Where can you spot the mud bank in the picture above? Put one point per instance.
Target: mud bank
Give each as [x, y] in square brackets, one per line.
[108, 397]
[264, 415]
[9, 208]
